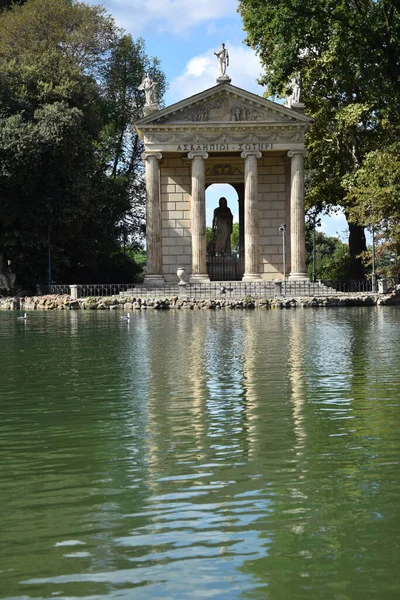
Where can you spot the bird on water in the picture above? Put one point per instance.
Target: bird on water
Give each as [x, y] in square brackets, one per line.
[23, 318]
[126, 317]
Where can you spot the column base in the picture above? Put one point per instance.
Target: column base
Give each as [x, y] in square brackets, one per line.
[199, 278]
[251, 277]
[154, 280]
[299, 277]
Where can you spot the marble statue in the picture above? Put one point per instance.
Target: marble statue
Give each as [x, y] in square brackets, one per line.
[222, 226]
[150, 89]
[223, 60]
[295, 96]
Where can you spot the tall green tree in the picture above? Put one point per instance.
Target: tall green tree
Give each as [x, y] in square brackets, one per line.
[347, 53]
[123, 103]
[332, 259]
[70, 175]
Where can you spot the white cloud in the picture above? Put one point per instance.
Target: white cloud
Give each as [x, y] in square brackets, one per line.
[201, 72]
[335, 225]
[175, 16]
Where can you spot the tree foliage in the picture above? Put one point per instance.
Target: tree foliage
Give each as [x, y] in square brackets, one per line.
[347, 52]
[375, 193]
[332, 258]
[70, 168]
[235, 245]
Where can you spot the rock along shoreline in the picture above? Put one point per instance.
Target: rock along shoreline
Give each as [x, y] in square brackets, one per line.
[130, 303]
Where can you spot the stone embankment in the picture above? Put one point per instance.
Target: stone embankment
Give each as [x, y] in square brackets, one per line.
[64, 302]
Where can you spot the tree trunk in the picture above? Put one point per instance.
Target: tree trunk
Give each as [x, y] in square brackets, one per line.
[357, 245]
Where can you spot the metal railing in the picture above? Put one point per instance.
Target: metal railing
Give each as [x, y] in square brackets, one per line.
[92, 289]
[58, 289]
[352, 286]
[234, 289]
[225, 267]
[104, 289]
[220, 289]
[261, 289]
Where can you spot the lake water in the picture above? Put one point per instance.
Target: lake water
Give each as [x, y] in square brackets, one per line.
[200, 454]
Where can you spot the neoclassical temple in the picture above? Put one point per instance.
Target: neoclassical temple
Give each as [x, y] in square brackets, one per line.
[225, 135]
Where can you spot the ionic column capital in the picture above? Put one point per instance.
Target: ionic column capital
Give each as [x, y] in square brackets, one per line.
[195, 154]
[147, 155]
[301, 151]
[247, 153]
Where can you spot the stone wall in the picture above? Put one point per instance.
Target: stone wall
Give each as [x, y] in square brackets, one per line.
[274, 209]
[176, 239]
[129, 303]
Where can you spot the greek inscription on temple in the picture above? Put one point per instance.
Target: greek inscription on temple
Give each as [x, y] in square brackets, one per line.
[222, 147]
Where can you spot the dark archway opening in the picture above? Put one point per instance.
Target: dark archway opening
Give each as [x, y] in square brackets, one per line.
[225, 263]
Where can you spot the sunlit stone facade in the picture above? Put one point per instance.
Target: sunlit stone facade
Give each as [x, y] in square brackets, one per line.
[224, 135]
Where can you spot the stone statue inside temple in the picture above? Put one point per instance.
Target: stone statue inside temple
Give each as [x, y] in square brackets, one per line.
[222, 226]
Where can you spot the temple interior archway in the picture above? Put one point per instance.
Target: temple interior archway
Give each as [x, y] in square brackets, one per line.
[227, 266]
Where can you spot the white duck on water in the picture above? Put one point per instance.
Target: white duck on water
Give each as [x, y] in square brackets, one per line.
[126, 317]
[23, 318]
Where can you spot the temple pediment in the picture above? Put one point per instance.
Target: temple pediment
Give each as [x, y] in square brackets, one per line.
[223, 104]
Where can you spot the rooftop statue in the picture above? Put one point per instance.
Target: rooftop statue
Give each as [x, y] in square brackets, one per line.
[223, 63]
[295, 95]
[150, 89]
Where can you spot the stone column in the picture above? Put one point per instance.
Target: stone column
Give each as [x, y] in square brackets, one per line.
[297, 227]
[251, 232]
[153, 219]
[198, 216]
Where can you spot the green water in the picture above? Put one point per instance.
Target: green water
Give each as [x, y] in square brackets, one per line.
[200, 454]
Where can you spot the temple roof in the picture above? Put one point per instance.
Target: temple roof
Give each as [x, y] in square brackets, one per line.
[223, 105]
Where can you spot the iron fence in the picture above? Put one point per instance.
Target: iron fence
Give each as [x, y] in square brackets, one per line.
[261, 289]
[223, 289]
[103, 289]
[93, 289]
[225, 267]
[352, 286]
[59, 289]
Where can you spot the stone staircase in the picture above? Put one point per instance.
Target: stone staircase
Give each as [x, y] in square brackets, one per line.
[237, 289]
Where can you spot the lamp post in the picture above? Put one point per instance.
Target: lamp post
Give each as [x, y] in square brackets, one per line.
[313, 221]
[282, 229]
[373, 276]
[48, 258]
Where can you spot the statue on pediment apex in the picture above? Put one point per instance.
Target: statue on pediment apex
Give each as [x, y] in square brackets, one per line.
[223, 63]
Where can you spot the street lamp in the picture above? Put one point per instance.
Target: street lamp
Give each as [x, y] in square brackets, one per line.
[282, 229]
[373, 277]
[48, 258]
[314, 221]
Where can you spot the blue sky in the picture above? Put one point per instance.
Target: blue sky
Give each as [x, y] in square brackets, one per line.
[184, 34]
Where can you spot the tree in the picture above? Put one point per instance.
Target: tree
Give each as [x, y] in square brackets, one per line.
[70, 172]
[348, 56]
[9, 3]
[234, 237]
[375, 192]
[123, 103]
[332, 258]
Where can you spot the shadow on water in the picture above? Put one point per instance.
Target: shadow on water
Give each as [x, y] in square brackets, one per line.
[225, 454]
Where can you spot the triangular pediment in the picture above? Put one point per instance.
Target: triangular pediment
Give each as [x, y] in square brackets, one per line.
[224, 103]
